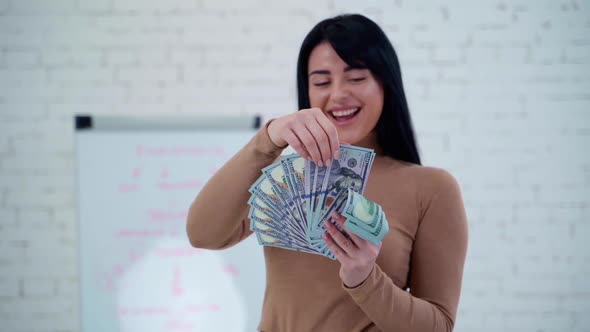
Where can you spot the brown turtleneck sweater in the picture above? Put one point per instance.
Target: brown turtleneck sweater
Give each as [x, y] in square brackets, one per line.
[416, 282]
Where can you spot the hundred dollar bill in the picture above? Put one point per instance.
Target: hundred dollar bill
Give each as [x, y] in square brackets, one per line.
[269, 220]
[320, 184]
[260, 226]
[295, 168]
[337, 205]
[315, 185]
[310, 172]
[264, 190]
[257, 204]
[351, 170]
[267, 240]
[275, 174]
[263, 204]
[294, 196]
[365, 218]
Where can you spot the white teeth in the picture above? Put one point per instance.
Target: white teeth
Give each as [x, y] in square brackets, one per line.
[344, 112]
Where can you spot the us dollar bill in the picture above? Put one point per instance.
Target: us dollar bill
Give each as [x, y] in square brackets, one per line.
[365, 217]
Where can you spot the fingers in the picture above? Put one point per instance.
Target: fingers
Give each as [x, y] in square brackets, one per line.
[358, 241]
[334, 248]
[342, 241]
[293, 140]
[332, 135]
[309, 133]
[311, 144]
[317, 134]
[322, 141]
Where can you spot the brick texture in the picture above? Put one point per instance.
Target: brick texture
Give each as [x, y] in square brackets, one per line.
[499, 92]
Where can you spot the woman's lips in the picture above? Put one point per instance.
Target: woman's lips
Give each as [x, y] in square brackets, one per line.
[344, 116]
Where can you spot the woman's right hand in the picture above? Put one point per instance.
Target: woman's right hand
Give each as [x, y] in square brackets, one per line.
[309, 133]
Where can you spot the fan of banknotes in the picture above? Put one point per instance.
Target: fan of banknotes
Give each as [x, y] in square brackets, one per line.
[293, 198]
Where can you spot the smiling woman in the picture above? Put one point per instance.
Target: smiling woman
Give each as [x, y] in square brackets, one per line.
[352, 98]
[350, 91]
[360, 66]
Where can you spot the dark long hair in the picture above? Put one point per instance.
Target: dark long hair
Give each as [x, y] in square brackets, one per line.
[361, 43]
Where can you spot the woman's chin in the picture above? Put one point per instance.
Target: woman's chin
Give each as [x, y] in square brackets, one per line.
[369, 141]
[347, 139]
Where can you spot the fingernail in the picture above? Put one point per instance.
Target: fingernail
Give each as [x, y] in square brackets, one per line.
[328, 163]
[337, 154]
[320, 163]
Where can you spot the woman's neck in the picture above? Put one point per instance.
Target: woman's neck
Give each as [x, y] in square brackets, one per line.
[370, 142]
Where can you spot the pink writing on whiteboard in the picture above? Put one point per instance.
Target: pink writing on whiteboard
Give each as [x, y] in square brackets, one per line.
[177, 289]
[231, 269]
[178, 252]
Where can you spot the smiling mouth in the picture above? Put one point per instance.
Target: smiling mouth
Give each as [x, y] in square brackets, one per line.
[343, 115]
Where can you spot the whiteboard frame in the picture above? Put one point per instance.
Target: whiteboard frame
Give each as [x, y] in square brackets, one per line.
[116, 122]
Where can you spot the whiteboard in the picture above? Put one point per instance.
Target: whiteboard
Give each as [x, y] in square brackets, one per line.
[138, 271]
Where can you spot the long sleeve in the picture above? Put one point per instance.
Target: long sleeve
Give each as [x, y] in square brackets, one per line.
[436, 268]
[217, 217]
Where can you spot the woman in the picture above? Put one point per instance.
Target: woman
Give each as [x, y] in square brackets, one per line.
[350, 90]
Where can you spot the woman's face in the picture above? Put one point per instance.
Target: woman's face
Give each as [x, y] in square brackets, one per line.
[351, 98]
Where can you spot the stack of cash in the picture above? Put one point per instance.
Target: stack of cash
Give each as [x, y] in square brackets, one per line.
[293, 198]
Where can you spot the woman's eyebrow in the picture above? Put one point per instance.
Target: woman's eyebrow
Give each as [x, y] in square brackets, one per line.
[349, 68]
[320, 72]
[327, 72]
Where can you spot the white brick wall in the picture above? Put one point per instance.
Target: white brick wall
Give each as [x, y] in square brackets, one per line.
[499, 90]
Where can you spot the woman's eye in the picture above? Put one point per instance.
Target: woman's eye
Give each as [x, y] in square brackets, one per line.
[321, 83]
[358, 79]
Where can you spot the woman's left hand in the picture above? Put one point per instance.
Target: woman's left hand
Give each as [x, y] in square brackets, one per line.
[356, 255]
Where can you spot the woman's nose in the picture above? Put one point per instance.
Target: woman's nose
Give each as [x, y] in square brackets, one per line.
[340, 91]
